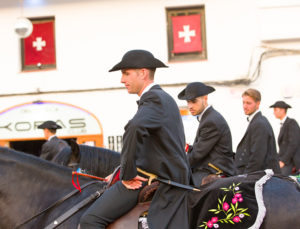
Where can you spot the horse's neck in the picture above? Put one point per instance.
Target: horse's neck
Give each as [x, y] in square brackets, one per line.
[27, 186]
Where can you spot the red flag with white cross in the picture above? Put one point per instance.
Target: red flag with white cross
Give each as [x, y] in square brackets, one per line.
[186, 34]
[39, 48]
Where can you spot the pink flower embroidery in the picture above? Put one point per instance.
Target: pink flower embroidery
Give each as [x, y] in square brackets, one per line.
[236, 219]
[238, 195]
[210, 224]
[233, 214]
[214, 219]
[234, 200]
[225, 206]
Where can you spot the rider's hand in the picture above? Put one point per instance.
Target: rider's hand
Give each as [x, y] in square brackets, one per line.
[281, 164]
[134, 183]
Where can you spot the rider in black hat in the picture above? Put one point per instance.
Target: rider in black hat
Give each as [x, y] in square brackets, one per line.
[194, 90]
[53, 145]
[211, 153]
[281, 104]
[288, 139]
[154, 142]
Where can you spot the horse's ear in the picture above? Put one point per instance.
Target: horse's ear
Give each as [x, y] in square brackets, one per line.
[74, 147]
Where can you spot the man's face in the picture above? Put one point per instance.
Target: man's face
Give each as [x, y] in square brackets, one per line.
[133, 80]
[250, 105]
[279, 112]
[47, 133]
[197, 105]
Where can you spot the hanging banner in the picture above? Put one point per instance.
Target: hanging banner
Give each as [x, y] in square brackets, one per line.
[186, 34]
[38, 50]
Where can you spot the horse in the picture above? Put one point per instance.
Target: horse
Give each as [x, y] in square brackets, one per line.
[92, 160]
[257, 200]
[43, 183]
[29, 184]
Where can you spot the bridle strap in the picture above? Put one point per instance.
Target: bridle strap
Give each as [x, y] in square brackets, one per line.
[57, 202]
[74, 209]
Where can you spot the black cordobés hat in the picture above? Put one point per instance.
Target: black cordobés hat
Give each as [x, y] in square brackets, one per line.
[194, 90]
[49, 125]
[136, 59]
[281, 104]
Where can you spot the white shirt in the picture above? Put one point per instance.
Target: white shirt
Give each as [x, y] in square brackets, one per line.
[51, 137]
[148, 88]
[282, 121]
[250, 117]
[199, 117]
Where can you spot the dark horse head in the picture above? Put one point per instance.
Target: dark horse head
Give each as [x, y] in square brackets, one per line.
[92, 160]
[29, 184]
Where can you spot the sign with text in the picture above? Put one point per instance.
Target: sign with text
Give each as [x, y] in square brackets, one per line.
[21, 122]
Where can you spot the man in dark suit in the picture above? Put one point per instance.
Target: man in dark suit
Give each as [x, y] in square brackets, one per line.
[154, 141]
[257, 149]
[211, 152]
[288, 139]
[53, 145]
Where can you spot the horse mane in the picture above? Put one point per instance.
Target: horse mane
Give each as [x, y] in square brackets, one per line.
[92, 160]
[98, 161]
[63, 157]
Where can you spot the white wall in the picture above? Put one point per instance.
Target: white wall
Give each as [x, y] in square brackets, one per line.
[92, 36]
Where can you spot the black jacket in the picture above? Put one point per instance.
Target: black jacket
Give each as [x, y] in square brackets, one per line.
[289, 142]
[52, 147]
[154, 141]
[213, 144]
[257, 149]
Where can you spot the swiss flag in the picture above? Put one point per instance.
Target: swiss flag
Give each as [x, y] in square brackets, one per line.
[186, 34]
[39, 47]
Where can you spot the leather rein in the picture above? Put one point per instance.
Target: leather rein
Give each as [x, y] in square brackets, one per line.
[70, 212]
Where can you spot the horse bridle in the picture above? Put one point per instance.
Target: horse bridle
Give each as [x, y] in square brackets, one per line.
[70, 212]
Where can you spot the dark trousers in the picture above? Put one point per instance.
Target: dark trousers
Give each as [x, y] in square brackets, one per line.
[198, 176]
[114, 202]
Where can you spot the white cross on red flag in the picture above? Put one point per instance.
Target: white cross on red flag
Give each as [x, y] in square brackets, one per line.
[186, 34]
[39, 47]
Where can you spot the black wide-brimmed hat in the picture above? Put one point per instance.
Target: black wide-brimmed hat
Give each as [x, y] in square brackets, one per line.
[281, 104]
[136, 59]
[194, 90]
[49, 125]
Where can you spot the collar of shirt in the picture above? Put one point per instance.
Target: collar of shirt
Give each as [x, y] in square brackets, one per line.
[51, 137]
[250, 117]
[148, 88]
[199, 117]
[283, 120]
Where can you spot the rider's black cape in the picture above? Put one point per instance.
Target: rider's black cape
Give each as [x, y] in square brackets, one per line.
[154, 141]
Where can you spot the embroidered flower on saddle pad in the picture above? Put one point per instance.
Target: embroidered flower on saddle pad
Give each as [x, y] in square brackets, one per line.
[228, 211]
